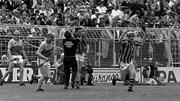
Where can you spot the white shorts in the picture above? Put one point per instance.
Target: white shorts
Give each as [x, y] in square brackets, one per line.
[80, 57]
[16, 59]
[45, 68]
[41, 61]
[127, 67]
[124, 66]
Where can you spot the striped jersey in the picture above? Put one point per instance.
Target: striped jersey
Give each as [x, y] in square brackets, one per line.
[82, 46]
[127, 50]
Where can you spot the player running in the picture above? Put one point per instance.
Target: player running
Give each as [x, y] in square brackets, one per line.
[126, 60]
[44, 52]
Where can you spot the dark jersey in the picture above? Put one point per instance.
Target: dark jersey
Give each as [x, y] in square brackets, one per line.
[152, 69]
[82, 46]
[70, 47]
[127, 51]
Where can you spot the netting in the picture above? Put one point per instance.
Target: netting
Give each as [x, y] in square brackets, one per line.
[161, 44]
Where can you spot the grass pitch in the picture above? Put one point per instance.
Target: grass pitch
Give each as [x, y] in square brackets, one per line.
[99, 92]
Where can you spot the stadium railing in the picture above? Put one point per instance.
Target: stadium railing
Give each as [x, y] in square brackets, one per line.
[160, 43]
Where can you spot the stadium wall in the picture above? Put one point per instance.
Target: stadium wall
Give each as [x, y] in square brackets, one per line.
[100, 75]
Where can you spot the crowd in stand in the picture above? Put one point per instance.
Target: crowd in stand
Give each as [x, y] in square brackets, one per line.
[91, 13]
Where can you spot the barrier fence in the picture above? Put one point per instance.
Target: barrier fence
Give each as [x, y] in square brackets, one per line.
[161, 44]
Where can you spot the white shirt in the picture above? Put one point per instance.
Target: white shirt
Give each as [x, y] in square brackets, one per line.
[47, 12]
[118, 13]
[102, 9]
[93, 16]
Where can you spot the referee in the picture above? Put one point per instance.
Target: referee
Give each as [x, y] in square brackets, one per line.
[70, 46]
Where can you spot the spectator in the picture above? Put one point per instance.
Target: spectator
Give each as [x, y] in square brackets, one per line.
[86, 73]
[1, 3]
[17, 4]
[155, 6]
[47, 10]
[135, 19]
[116, 12]
[83, 75]
[89, 76]
[176, 7]
[176, 22]
[10, 5]
[60, 70]
[40, 21]
[104, 21]
[3, 10]
[24, 9]
[80, 14]
[32, 9]
[94, 18]
[148, 19]
[67, 16]
[117, 15]
[86, 21]
[67, 6]
[167, 20]
[4, 60]
[101, 9]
